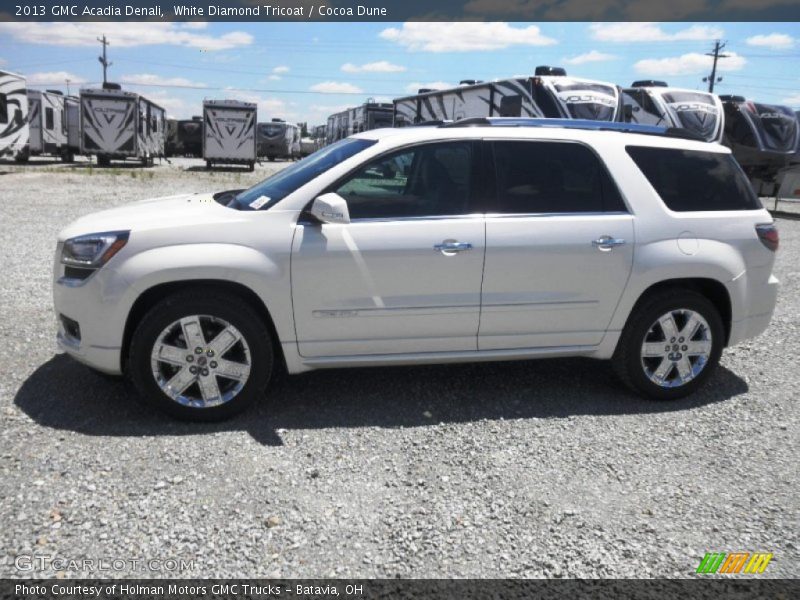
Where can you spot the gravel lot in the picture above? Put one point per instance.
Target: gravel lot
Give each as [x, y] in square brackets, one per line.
[531, 469]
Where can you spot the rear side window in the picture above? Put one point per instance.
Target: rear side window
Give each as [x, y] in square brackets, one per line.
[690, 180]
[48, 118]
[552, 177]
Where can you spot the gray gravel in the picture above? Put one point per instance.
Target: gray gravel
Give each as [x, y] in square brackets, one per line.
[531, 469]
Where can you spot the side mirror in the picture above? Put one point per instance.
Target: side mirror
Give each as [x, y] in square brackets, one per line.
[331, 208]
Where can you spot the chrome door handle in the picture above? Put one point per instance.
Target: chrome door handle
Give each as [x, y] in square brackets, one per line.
[605, 243]
[451, 247]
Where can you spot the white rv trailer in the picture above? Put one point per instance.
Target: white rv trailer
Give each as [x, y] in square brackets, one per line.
[14, 129]
[229, 132]
[550, 93]
[49, 126]
[368, 116]
[279, 139]
[655, 103]
[116, 124]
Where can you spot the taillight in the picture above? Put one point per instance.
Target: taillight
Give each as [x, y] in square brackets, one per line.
[768, 234]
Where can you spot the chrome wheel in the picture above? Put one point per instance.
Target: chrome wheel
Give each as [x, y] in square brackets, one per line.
[200, 361]
[676, 348]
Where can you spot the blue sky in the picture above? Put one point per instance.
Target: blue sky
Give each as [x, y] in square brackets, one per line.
[304, 71]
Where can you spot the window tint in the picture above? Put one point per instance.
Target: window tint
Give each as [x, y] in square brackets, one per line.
[429, 180]
[3, 108]
[688, 180]
[48, 118]
[552, 177]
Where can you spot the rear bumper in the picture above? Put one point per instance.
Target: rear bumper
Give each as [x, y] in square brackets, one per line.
[763, 307]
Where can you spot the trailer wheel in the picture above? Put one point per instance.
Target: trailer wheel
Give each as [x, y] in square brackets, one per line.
[271, 158]
[252, 166]
[67, 156]
[22, 156]
[208, 165]
[103, 161]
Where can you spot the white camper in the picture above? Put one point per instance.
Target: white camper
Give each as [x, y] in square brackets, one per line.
[117, 125]
[14, 129]
[47, 118]
[278, 139]
[229, 132]
[655, 103]
[368, 116]
[549, 94]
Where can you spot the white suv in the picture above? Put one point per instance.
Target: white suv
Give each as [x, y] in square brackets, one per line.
[490, 239]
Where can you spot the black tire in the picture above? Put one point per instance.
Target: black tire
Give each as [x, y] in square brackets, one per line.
[252, 166]
[22, 156]
[627, 360]
[103, 161]
[271, 158]
[215, 304]
[208, 165]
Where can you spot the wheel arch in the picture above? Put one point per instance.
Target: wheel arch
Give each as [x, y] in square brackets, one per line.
[714, 290]
[151, 296]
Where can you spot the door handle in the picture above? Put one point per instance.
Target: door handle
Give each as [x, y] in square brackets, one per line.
[451, 247]
[605, 243]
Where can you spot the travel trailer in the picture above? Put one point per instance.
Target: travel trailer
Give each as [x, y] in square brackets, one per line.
[655, 103]
[368, 116]
[171, 142]
[117, 125]
[14, 129]
[278, 139]
[318, 135]
[229, 132]
[764, 139]
[550, 93]
[48, 122]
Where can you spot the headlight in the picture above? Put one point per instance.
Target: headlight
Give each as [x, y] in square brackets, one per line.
[94, 250]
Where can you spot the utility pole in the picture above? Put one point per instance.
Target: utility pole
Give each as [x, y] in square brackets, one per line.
[712, 79]
[102, 59]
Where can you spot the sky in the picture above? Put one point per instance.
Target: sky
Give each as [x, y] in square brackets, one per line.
[305, 71]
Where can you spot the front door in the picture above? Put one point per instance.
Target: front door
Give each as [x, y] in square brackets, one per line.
[405, 274]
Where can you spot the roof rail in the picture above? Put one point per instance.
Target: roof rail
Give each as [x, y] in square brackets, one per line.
[575, 124]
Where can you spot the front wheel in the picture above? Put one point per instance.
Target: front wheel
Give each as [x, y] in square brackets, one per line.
[201, 356]
[671, 345]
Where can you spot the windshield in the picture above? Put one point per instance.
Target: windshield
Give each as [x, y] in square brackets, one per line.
[275, 188]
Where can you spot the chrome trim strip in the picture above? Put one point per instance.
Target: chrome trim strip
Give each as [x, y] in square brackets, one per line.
[400, 311]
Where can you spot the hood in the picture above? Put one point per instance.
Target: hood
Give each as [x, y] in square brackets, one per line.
[181, 211]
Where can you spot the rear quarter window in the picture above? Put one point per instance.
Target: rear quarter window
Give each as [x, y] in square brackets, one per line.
[691, 180]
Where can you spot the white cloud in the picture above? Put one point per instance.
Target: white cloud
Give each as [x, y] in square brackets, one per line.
[177, 108]
[53, 78]
[335, 87]
[433, 85]
[774, 41]
[688, 64]
[281, 70]
[464, 37]
[151, 79]
[650, 32]
[380, 66]
[793, 101]
[122, 35]
[589, 57]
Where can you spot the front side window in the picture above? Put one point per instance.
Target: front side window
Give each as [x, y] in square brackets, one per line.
[49, 122]
[552, 177]
[429, 180]
[690, 180]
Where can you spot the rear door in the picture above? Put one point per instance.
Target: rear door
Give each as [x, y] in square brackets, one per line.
[559, 248]
[405, 274]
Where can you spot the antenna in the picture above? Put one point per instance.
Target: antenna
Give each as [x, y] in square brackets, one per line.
[712, 79]
[103, 60]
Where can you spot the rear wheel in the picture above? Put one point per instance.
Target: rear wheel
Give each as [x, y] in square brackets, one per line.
[671, 345]
[201, 356]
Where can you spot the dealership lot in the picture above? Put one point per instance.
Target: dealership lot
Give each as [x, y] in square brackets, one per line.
[524, 469]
